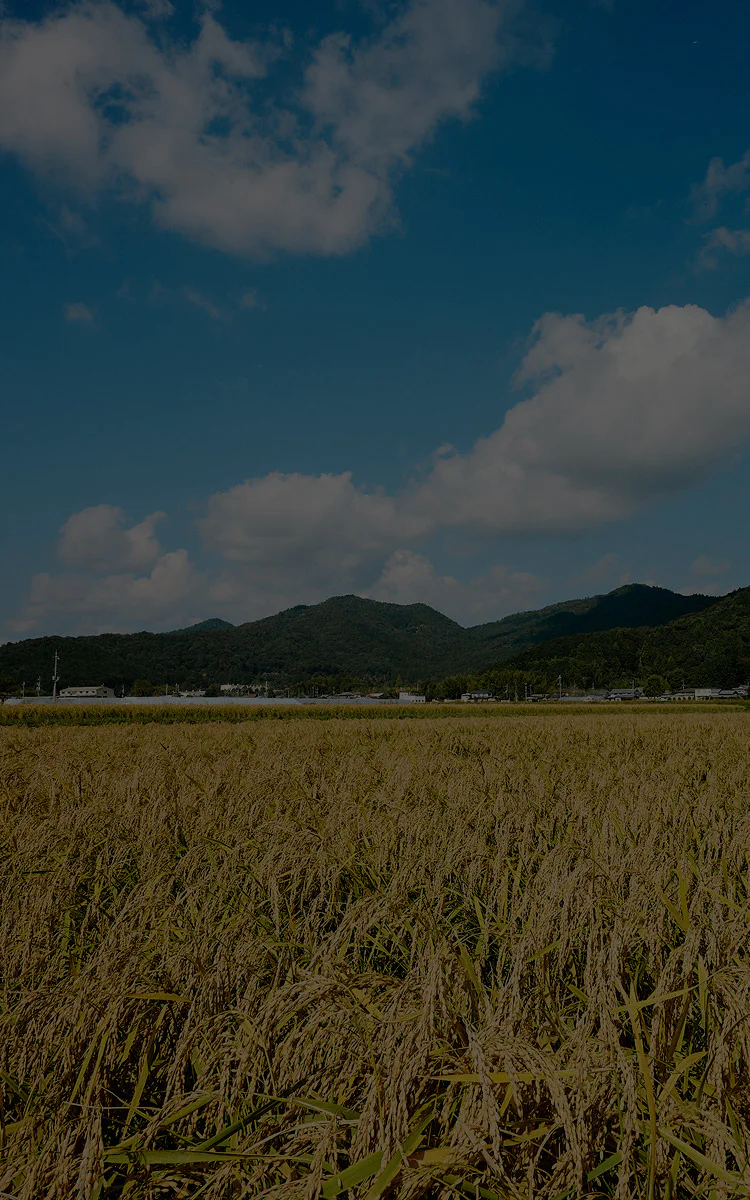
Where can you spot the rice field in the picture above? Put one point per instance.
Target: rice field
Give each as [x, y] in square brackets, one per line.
[477, 958]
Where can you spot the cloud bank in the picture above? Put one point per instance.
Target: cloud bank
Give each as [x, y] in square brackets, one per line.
[92, 98]
[622, 411]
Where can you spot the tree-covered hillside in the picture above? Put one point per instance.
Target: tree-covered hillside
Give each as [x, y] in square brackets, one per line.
[346, 637]
[630, 606]
[342, 636]
[708, 648]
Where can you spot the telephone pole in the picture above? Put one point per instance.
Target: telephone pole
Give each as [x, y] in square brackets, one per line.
[55, 678]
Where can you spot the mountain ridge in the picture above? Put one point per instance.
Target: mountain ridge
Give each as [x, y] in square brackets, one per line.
[344, 636]
[708, 648]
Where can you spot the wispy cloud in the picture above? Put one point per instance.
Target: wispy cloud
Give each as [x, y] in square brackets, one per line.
[77, 313]
[726, 241]
[606, 573]
[720, 181]
[70, 228]
[252, 299]
[220, 311]
[705, 566]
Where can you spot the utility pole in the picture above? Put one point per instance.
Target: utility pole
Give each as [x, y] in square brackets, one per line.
[559, 687]
[55, 677]
[23, 690]
[39, 687]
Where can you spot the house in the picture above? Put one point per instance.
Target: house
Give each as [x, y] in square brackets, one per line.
[410, 698]
[477, 697]
[86, 693]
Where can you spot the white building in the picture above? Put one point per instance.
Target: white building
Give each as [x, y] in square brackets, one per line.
[411, 698]
[86, 693]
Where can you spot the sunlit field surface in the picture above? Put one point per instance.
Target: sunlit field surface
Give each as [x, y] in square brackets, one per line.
[487, 957]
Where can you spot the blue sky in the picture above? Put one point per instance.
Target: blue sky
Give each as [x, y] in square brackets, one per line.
[439, 300]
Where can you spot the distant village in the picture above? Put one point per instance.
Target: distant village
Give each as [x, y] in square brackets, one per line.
[257, 694]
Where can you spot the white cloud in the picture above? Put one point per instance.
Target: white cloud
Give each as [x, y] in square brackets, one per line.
[312, 527]
[251, 299]
[116, 576]
[89, 96]
[198, 300]
[409, 577]
[704, 566]
[78, 314]
[705, 589]
[606, 573]
[624, 410]
[732, 241]
[71, 229]
[381, 99]
[157, 10]
[81, 603]
[720, 181]
[98, 539]
[222, 312]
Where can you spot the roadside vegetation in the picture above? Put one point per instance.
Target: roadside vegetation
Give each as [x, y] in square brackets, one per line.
[424, 959]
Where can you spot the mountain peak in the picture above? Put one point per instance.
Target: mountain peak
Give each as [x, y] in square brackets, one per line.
[210, 625]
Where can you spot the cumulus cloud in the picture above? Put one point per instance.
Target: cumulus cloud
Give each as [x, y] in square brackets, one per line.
[625, 410]
[316, 527]
[99, 539]
[409, 578]
[622, 411]
[116, 576]
[81, 603]
[90, 96]
[78, 314]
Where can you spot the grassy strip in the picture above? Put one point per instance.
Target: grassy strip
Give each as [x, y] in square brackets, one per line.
[36, 716]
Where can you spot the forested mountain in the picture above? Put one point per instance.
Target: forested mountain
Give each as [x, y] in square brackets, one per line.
[629, 606]
[342, 636]
[708, 648]
[346, 636]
